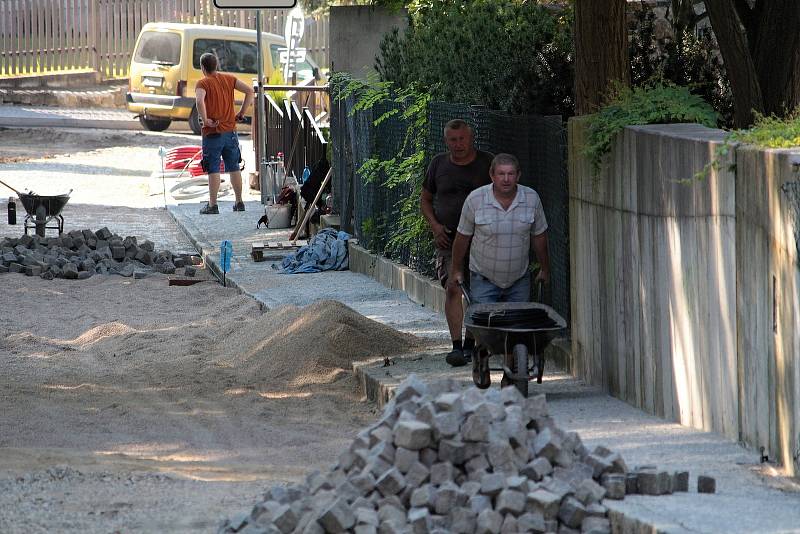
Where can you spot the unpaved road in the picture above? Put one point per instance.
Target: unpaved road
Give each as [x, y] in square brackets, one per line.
[126, 405]
[123, 407]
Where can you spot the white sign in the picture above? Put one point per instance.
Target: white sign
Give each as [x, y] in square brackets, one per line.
[293, 33]
[254, 4]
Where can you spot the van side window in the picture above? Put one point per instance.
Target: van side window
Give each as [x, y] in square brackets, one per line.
[234, 56]
[159, 47]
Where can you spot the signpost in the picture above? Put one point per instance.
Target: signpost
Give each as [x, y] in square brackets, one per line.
[293, 33]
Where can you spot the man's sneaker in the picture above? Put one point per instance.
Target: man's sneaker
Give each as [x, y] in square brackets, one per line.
[456, 358]
[238, 206]
[468, 355]
[209, 210]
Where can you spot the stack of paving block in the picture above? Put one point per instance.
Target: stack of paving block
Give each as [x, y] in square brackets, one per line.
[80, 254]
[446, 459]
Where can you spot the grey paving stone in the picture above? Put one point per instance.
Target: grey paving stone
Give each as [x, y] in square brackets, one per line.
[544, 502]
[615, 485]
[510, 502]
[571, 512]
[488, 522]
[681, 481]
[706, 484]
[337, 517]
[412, 435]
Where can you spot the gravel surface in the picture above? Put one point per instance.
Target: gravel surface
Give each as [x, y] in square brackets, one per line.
[123, 406]
[115, 378]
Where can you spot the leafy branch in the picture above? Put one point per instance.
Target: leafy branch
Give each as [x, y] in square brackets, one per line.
[405, 169]
[655, 103]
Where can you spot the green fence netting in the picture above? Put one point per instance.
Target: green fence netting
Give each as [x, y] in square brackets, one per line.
[369, 210]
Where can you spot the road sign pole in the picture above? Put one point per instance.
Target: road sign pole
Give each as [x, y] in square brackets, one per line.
[260, 126]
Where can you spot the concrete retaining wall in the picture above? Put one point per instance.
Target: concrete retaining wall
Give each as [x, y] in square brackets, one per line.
[671, 299]
[767, 304]
[419, 288]
[355, 36]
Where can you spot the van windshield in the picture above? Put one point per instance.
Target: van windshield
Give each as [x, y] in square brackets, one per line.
[159, 47]
[234, 56]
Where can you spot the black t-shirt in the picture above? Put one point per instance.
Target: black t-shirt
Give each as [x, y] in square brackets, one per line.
[450, 184]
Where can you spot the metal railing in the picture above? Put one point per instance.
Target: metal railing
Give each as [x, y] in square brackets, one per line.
[293, 130]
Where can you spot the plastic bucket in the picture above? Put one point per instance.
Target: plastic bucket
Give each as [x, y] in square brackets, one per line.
[278, 216]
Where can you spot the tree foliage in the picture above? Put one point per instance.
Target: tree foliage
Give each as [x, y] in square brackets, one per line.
[513, 55]
[655, 103]
[682, 58]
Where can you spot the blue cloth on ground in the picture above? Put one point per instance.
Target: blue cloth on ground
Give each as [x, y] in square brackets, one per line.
[325, 252]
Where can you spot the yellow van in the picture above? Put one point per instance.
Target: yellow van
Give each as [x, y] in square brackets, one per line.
[165, 67]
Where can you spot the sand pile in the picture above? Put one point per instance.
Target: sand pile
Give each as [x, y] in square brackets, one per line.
[294, 346]
[285, 348]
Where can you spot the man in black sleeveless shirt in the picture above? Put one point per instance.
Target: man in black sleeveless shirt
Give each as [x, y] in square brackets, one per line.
[450, 178]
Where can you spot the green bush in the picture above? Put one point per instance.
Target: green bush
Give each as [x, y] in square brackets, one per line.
[683, 59]
[512, 55]
[656, 103]
[771, 132]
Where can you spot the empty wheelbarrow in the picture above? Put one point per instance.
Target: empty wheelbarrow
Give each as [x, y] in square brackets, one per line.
[518, 332]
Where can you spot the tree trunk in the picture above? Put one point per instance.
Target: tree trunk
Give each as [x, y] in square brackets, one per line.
[739, 66]
[601, 51]
[774, 55]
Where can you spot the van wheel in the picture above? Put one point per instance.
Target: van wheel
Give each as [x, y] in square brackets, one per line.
[194, 122]
[155, 125]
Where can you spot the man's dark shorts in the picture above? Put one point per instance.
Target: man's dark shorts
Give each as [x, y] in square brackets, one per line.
[444, 258]
[223, 146]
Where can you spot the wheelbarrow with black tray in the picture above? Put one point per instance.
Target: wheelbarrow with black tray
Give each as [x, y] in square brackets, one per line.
[41, 210]
[518, 332]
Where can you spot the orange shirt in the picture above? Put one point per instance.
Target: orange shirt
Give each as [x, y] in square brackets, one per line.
[219, 101]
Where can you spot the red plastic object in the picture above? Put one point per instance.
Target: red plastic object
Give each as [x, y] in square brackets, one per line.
[187, 157]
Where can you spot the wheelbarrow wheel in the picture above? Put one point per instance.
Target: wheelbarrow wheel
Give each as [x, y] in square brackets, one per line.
[520, 361]
[481, 376]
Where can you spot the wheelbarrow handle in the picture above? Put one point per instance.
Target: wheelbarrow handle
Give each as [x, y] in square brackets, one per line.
[539, 291]
[465, 292]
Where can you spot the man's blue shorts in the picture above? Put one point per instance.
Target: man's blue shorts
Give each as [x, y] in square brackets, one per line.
[483, 291]
[224, 146]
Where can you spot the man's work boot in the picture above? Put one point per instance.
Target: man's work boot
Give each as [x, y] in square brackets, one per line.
[456, 358]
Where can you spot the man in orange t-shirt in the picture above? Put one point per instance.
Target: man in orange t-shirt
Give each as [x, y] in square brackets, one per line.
[214, 94]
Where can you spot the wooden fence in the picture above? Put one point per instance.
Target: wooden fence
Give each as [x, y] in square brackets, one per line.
[45, 36]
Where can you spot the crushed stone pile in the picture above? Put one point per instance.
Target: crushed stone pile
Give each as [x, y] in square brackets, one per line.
[442, 459]
[79, 254]
[304, 346]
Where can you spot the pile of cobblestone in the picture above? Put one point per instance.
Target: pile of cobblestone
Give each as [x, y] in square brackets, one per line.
[446, 459]
[79, 254]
